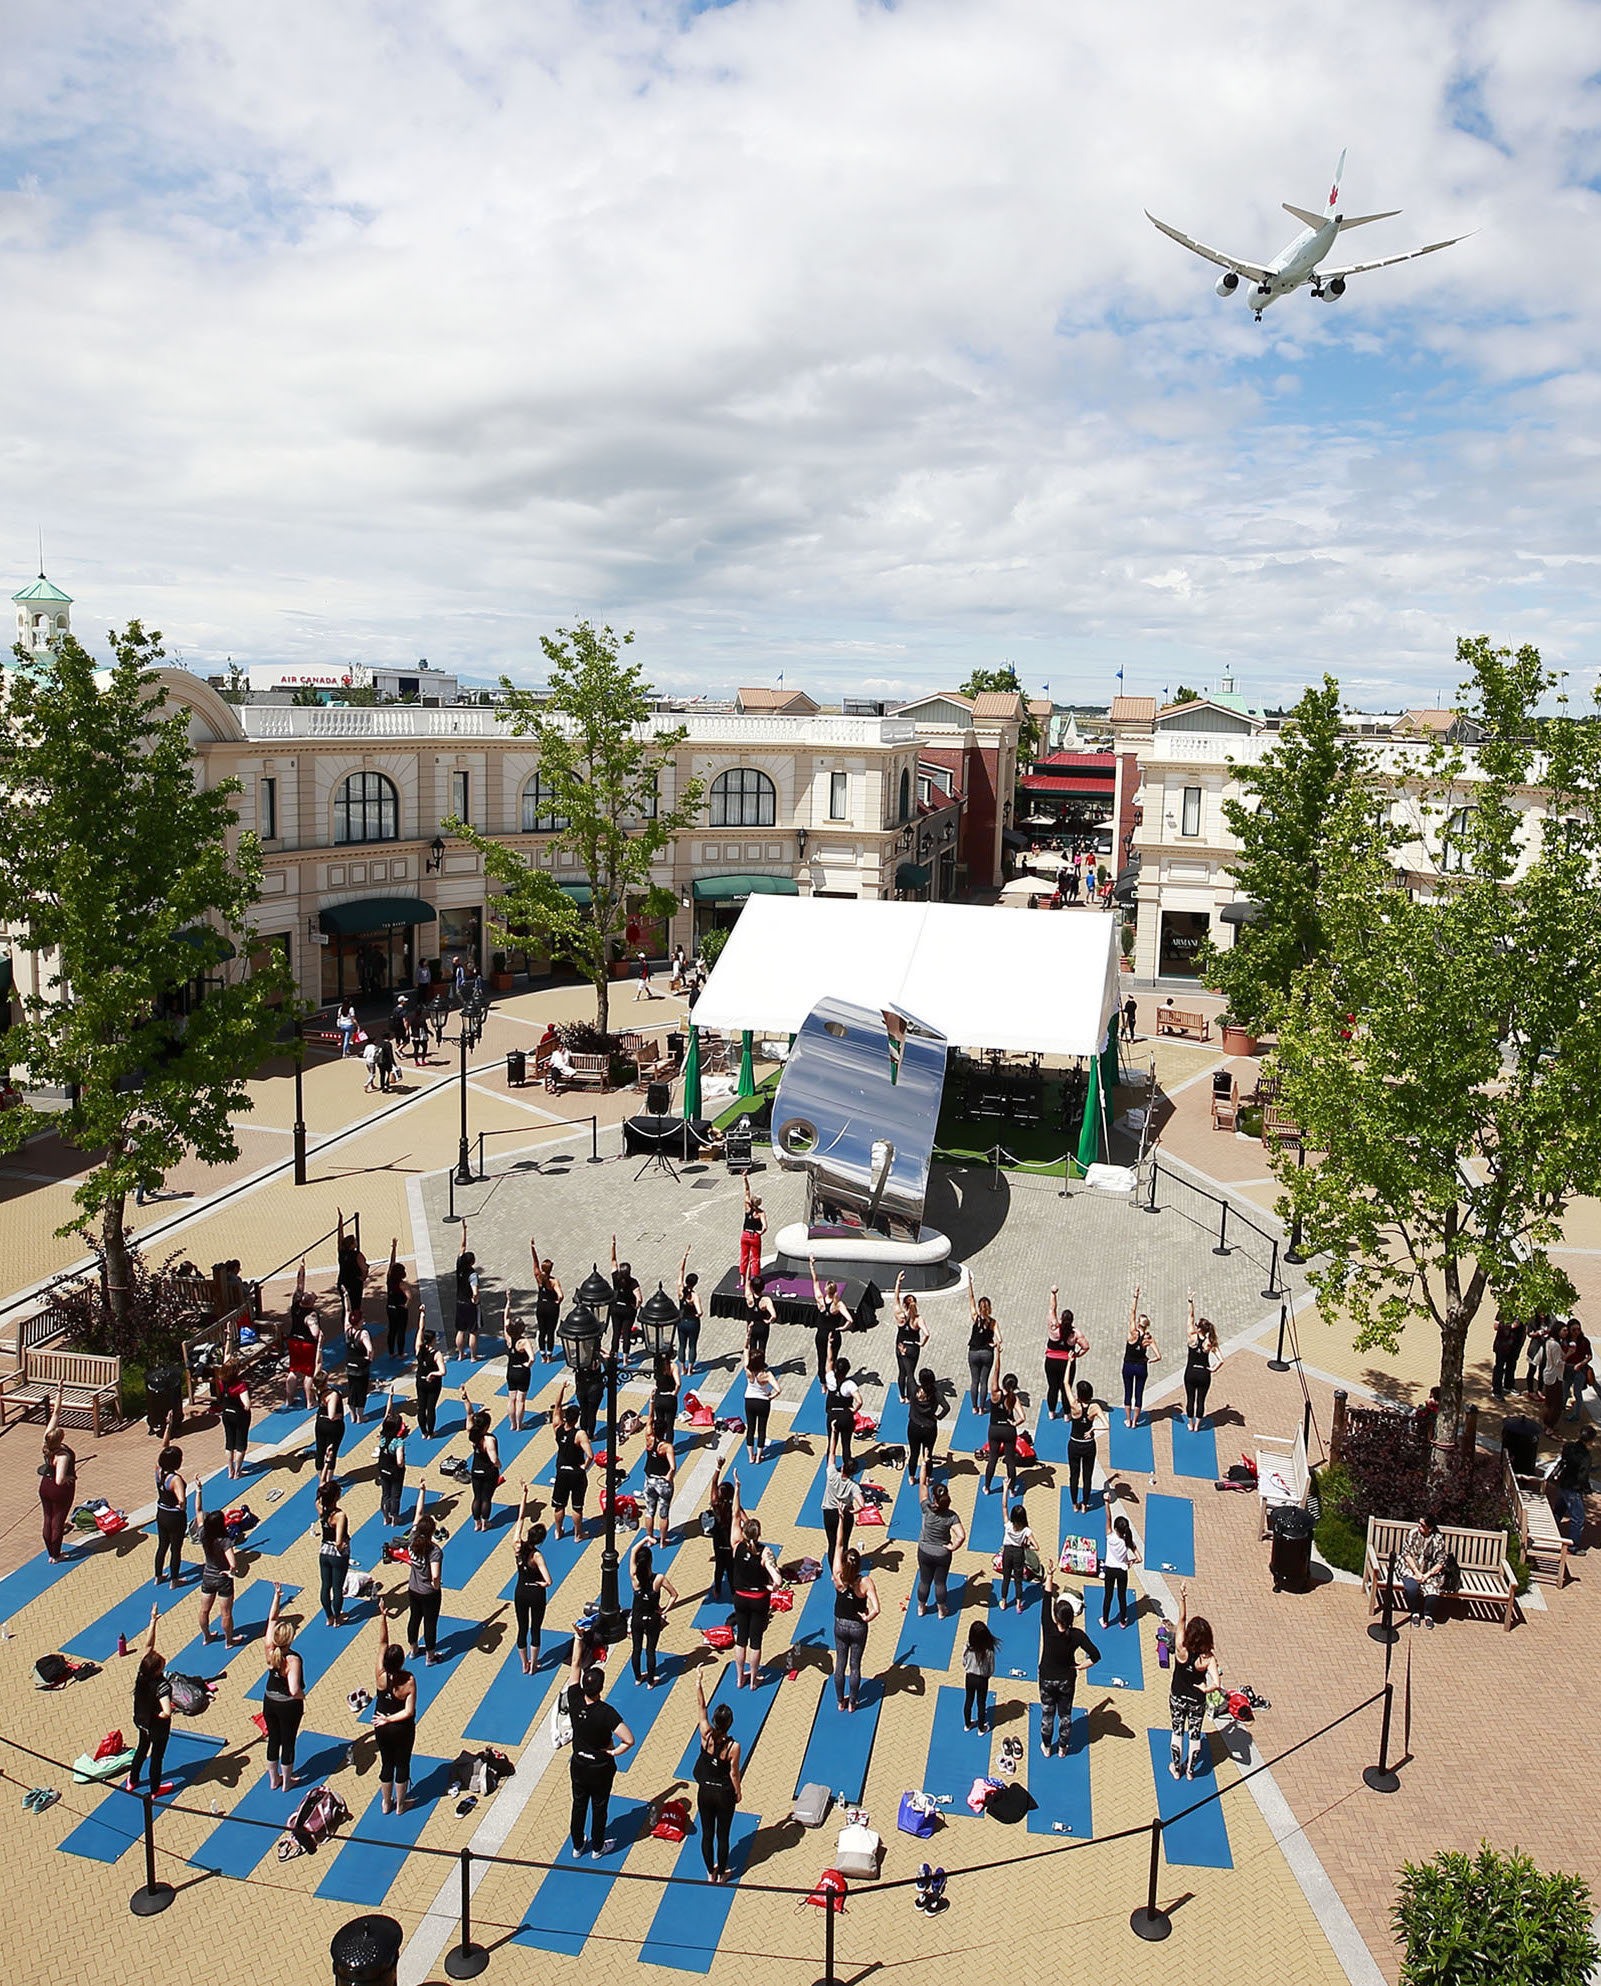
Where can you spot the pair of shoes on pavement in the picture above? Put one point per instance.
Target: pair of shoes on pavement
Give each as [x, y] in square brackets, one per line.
[38, 1798]
[930, 1890]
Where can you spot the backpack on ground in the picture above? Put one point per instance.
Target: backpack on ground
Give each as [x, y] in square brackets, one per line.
[56, 1671]
[857, 1850]
[917, 1815]
[190, 1696]
[319, 1814]
[812, 1803]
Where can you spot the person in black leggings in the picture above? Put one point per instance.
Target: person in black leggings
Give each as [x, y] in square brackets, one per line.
[718, 1785]
[548, 1296]
[152, 1712]
[840, 1404]
[648, 1614]
[600, 1737]
[283, 1702]
[1140, 1352]
[425, 1584]
[924, 1412]
[329, 1426]
[172, 1514]
[397, 1304]
[1006, 1417]
[833, 1320]
[689, 1316]
[394, 1718]
[484, 1474]
[358, 1364]
[573, 1457]
[1200, 1350]
[532, 1587]
[720, 1504]
[519, 1371]
[855, 1609]
[1085, 1420]
[391, 1462]
[1064, 1347]
[430, 1380]
[755, 1576]
[983, 1348]
[911, 1335]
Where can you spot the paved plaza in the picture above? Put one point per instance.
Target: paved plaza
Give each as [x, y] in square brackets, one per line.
[1287, 1876]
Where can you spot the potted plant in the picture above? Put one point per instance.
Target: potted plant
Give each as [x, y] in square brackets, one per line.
[499, 977]
[1126, 946]
[1237, 1037]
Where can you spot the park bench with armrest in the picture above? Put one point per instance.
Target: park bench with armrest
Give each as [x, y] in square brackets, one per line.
[1184, 1021]
[90, 1383]
[1482, 1556]
[1282, 1475]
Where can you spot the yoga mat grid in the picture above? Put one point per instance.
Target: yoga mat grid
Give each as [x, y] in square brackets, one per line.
[840, 1748]
[689, 1922]
[1199, 1840]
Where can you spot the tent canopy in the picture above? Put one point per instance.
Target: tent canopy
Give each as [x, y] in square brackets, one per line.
[985, 981]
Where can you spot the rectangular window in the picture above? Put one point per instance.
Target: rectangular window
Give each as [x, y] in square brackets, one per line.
[458, 796]
[1192, 811]
[836, 796]
[267, 809]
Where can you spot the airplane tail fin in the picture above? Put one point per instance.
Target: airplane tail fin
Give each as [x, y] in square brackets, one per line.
[1334, 189]
[1305, 215]
[1361, 220]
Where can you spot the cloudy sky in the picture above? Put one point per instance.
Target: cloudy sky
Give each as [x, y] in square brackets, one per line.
[803, 335]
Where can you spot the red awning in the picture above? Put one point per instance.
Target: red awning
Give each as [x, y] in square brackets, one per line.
[1098, 784]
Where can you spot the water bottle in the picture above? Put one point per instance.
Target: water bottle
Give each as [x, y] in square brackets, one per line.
[122, 1644]
[5, 1630]
[1119, 1683]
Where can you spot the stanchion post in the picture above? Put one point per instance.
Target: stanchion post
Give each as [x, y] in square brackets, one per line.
[594, 1141]
[152, 1897]
[1384, 1628]
[1278, 1362]
[466, 1960]
[1379, 1778]
[1222, 1247]
[481, 1155]
[1150, 1206]
[995, 1176]
[828, 1978]
[1150, 1922]
[1273, 1289]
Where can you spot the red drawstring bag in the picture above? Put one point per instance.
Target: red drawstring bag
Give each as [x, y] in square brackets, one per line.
[865, 1424]
[110, 1522]
[869, 1514]
[1025, 1448]
[110, 1746]
[718, 1637]
[830, 1892]
[691, 1403]
[783, 1599]
[672, 1823]
[702, 1417]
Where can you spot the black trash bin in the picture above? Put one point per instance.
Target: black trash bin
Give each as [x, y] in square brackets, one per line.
[366, 1951]
[1520, 1438]
[1292, 1547]
[163, 1396]
[516, 1069]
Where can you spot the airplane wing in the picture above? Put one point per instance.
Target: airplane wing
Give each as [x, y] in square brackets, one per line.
[1384, 261]
[1254, 270]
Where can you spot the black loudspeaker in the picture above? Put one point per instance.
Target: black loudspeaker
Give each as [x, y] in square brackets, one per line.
[658, 1100]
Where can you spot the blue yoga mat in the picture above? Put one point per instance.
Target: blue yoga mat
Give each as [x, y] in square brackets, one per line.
[513, 1703]
[568, 1903]
[892, 1421]
[754, 1477]
[1082, 1523]
[469, 1550]
[751, 1708]
[840, 1748]
[811, 1416]
[972, 1430]
[1132, 1450]
[23, 1586]
[250, 1607]
[233, 1847]
[955, 1757]
[491, 1361]
[984, 1534]
[1050, 1437]
[714, 1613]
[689, 1922]
[422, 1449]
[320, 1646]
[1121, 1660]
[638, 1705]
[1201, 1839]
[813, 1626]
[98, 1641]
[906, 1517]
[286, 1522]
[456, 1638]
[118, 1820]
[1194, 1454]
[367, 1540]
[1060, 1786]
[1170, 1535]
[362, 1871]
[929, 1642]
[1018, 1635]
[513, 1444]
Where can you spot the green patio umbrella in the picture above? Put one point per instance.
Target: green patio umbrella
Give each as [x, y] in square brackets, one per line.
[692, 1074]
[1109, 1074]
[747, 1067]
[1089, 1138]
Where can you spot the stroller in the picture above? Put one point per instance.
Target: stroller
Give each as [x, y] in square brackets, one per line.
[319, 1814]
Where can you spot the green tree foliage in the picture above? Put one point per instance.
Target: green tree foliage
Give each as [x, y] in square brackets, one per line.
[1443, 1052]
[1290, 804]
[1494, 1920]
[1186, 694]
[307, 698]
[600, 761]
[1005, 679]
[116, 870]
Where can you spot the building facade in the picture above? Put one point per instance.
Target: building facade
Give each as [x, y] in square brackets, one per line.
[975, 739]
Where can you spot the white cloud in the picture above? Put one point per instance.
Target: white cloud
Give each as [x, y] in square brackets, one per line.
[801, 334]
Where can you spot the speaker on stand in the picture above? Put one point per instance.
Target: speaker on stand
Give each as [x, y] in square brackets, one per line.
[659, 1100]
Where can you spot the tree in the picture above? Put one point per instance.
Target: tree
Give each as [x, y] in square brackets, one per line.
[307, 698]
[1291, 804]
[1187, 695]
[599, 766]
[1005, 680]
[1443, 1053]
[112, 863]
[1496, 1920]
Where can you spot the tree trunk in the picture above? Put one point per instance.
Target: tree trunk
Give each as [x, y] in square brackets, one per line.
[1448, 1428]
[603, 1001]
[119, 1266]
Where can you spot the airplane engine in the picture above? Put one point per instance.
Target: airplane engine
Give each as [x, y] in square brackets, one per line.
[1228, 282]
[1334, 287]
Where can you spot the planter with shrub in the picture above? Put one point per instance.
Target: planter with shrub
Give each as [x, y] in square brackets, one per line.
[1492, 1920]
[1237, 1038]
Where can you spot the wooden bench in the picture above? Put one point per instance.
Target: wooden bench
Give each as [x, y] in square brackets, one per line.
[31, 1333]
[1279, 1127]
[1225, 1102]
[1282, 1475]
[222, 1340]
[1486, 1570]
[1180, 1020]
[90, 1382]
[650, 1064]
[587, 1072]
[1545, 1544]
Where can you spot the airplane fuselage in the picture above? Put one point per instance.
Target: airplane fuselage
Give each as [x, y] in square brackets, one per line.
[1294, 265]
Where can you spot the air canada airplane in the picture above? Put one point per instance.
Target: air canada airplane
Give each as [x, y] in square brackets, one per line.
[1260, 284]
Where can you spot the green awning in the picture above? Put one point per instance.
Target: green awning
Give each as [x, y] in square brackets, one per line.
[581, 894]
[735, 889]
[199, 934]
[912, 876]
[373, 913]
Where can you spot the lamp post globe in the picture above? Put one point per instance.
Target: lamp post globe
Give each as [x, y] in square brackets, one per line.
[580, 1332]
[658, 1319]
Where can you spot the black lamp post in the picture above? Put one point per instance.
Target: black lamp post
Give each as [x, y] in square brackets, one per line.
[464, 1162]
[658, 1319]
[300, 1104]
[1293, 1253]
[581, 1332]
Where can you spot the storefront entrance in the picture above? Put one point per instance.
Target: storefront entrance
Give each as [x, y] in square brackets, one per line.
[1183, 934]
[373, 945]
[461, 936]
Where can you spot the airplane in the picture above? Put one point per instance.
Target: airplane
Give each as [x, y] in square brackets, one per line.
[1298, 263]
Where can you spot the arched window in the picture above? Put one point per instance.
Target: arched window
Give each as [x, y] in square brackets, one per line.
[906, 794]
[539, 809]
[366, 808]
[743, 799]
[1456, 854]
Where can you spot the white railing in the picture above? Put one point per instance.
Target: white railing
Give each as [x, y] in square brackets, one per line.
[278, 721]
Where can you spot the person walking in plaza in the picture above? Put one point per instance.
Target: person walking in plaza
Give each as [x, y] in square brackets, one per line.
[1509, 1336]
[1534, 1353]
[718, 1785]
[833, 1321]
[519, 1370]
[1064, 1347]
[430, 1378]
[394, 1718]
[761, 1390]
[1200, 1355]
[643, 990]
[1086, 1420]
[484, 1467]
[911, 1339]
[1017, 1541]
[328, 1430]
[661, 1477]
[1006, 1421]
[1062, 1642]
[654, 1593]
[172, 1514]
[58, 1480]
[1131, 1017]
[983, 1347]
[1122, 1555]
[219, 1564]
[751, 1231]
[369, 1057]
[425, 1583]
[574, 1454]
[1576, 1371]
[1570, 1479]
[942, 1533]
[531, 1586]
[387, 1065]
[600, 1737]
[755, 1572]
[1192, 1678]
[689, 1316]
[333, 1554]
[391, 1462]
[855, 1610]
[283, 1697]
[978, 1670]
[397, 1303]
[466, 1300]
[1140, 1352]
[234, 1411]
[345, 1022]
[152, 1713]
[548, 1298]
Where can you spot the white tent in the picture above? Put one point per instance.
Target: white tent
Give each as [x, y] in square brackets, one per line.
[986, 980]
